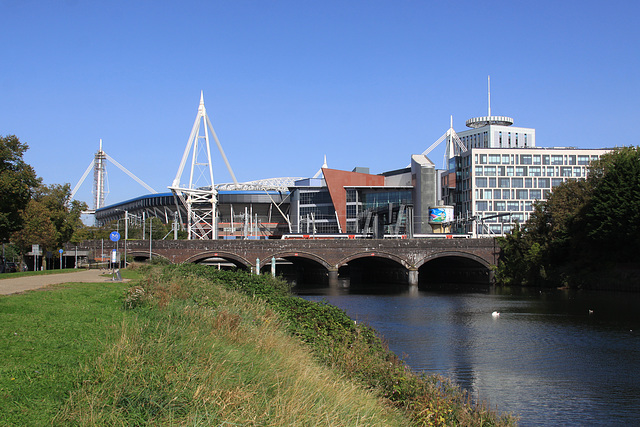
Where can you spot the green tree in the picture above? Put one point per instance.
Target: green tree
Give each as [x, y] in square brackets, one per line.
[17, 181]
[37, 228]
[50, 219]
[613, 215]
[64, 213]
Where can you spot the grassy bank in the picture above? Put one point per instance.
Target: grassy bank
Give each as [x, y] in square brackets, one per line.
[194, 345]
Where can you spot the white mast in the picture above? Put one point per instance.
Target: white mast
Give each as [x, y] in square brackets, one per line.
[99, 176]
[489, 93]
[199, 196]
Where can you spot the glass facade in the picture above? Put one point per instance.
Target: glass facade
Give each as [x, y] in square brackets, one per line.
[505, 183]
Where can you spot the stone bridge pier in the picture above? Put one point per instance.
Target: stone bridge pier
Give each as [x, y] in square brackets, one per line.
[415, 262]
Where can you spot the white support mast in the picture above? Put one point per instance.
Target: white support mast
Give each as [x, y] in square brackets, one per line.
[100, 184]
[99, 177]
[198, 195]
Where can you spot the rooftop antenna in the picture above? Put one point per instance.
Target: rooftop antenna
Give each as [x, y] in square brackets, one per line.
[489, 93]
[478, 122]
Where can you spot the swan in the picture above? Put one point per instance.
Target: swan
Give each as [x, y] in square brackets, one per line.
[495, 314]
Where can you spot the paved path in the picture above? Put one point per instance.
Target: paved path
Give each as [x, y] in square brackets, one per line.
[22, 284]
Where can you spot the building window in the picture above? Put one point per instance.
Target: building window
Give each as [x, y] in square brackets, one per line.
[583, 160]
[510, 171]
[545, 160]
[513, 206]
[536, 159]
[535, 194]
[500, 205]
[483, 159]
[522, 194]
[517, 182]
[481, 182]
[557, 160]
[572, 160]
[478, 171]
[544, 183]
[566, 171]
[526, 159]
[504, 182]
[505, 159]
[494, 159]
[481, 205]
[534, 171]
[487, 194]
[521, 171]
[490, 171]
[556, 181]
[506, 194]
[497, 194]
[528, 183]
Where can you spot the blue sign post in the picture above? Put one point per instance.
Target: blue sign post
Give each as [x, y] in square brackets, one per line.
[114, 236]
[61, 251]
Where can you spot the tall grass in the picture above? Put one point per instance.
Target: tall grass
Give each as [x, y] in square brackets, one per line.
[191, 345]
[196, 354]
[356, 351]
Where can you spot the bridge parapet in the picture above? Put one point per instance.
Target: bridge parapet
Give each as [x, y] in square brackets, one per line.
[411, 253]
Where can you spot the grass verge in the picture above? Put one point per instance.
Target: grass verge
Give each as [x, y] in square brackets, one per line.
[36, 273]
[44, 337]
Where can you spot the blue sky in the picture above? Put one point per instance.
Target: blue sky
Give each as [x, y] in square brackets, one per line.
[368, 83]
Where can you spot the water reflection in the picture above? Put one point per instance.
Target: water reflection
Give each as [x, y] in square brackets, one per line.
[556, 357]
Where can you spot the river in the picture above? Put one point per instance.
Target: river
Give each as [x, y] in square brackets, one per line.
[552, 357]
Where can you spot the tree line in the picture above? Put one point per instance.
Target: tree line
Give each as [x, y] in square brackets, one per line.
[585, 235]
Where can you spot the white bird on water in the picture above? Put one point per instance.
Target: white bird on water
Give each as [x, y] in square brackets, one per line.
[495, 314]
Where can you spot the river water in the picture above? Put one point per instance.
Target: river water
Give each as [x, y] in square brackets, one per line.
[552, 357]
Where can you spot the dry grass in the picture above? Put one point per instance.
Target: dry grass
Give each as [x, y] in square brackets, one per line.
[227, 362]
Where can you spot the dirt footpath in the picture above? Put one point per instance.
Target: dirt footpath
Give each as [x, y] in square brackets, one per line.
[22, 284]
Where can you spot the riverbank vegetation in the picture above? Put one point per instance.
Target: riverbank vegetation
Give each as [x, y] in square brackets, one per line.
[585, 235]
[194, 345]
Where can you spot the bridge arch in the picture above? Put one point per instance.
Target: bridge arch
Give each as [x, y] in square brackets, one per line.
[374, 254]
[459, 254]
[235, 259]
[374, 269]
[453, 270]
[300, 269]
[298, 255]
[144, 255]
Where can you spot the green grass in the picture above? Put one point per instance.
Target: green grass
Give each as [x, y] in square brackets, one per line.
[191, 345]
[35, 273]
[44, 337]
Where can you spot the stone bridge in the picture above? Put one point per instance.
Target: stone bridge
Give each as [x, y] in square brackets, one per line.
[410, 261]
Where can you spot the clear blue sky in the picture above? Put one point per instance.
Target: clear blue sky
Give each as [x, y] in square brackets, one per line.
[368, 83]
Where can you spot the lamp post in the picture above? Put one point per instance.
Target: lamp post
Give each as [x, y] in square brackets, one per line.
[126, 231]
